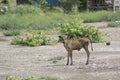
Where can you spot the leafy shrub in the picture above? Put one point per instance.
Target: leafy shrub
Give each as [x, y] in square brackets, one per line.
[114, 24]
[33, 40]
[77, 29]
[17, 40]
[12, 33]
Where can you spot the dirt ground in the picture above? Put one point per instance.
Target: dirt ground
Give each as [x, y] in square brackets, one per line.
[35, 61]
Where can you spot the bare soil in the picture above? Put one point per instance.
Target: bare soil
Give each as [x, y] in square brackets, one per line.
[22, 61]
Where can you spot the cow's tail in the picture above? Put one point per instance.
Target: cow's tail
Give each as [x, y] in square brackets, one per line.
[91, 44]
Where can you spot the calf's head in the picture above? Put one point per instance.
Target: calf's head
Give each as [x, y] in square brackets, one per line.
[62, 38]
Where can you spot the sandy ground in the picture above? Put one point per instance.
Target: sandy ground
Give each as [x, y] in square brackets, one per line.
[35, 61]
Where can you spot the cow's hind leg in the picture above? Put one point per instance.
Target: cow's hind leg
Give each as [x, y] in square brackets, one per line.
[88, 54]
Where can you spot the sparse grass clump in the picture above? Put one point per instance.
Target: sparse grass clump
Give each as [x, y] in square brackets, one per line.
[48, 78]
[9, 77]
[56, 59]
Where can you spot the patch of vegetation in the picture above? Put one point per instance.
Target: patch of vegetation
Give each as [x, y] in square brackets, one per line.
[56, 59]
[34, 39]
[48, 78]
[43, 21]
[114, 24]
[76, 29]
[3, 9]
[9, 77]
[11, 33]
[2, 39]
[27, 17]
[10, 22]
[26, 9]
[99, 16]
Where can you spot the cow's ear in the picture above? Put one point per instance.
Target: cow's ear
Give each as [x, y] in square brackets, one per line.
[60, 37]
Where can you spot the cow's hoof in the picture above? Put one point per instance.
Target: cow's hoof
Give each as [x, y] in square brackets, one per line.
[66, 64]
[107, 43]
[86, 63]
[71, 64]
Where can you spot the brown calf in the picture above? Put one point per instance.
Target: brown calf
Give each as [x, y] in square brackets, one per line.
[76, 44]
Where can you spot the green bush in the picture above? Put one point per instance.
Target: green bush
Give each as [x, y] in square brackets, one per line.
[17, 40]
[77, 29]
[114, 24]
[33, 40]
[11, 32]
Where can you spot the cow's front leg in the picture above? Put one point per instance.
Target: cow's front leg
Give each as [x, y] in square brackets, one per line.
[70, 53]
[67, 59]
